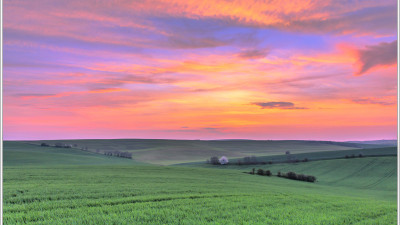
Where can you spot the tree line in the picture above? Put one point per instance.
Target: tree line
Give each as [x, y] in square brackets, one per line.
[117, 153]
[288, 175]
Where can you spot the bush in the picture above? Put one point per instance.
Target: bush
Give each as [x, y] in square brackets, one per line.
[301, 177]
[311, 179]
[214, 160]
[291, 175]
[260, 172]
[268, 173]
[44, 145]
[279, 174]
[360, 155]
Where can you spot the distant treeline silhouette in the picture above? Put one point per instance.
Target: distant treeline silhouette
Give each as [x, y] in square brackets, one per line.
[117, 153]
[57, 145]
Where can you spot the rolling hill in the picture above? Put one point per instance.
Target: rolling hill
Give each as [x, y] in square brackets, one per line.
[167, 152]
[46, 185]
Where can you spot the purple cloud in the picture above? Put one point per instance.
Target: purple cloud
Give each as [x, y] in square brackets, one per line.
[371, 101]
[277, 105]
[374, 55]
[253, 54]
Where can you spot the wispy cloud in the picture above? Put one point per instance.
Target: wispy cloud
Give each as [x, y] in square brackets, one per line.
[372, 101]
[277, 105]
[253, 54]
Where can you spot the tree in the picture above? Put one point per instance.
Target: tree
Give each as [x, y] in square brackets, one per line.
[214, 160]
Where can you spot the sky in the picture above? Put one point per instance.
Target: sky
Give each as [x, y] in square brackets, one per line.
[184, 69]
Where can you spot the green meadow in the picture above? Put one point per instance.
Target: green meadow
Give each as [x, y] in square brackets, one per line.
[167, 152]
[47, 185]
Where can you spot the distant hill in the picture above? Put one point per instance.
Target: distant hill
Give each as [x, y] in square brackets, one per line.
[16, 153]
[387, 143]
[167, 152]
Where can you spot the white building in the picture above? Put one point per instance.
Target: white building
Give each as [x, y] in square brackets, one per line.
[223, 160]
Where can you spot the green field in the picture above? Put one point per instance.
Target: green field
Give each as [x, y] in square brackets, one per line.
[310, 156]
[45, 185]
[167, 152]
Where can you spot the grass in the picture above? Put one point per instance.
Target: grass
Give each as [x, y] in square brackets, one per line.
[167, 152]
[324, 155]
[23, 154]
[158, 195]
[68, 186]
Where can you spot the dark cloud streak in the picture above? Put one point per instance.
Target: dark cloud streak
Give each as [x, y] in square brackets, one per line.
[277, 105]
[375, 55]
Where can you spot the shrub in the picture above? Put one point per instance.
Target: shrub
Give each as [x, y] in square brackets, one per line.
[305, 160]
[214, 160]
[268, 173]
[44, 145]
[291, 175]
[279, 174]
[360, 155]
[294, 176]
[253, 170]
[347, 156]
[311, 179]
[301, 177]
[260, 172]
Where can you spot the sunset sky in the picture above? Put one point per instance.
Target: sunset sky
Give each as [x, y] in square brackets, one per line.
[316, 70]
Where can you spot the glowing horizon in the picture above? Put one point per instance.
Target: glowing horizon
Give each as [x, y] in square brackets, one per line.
[309, 70]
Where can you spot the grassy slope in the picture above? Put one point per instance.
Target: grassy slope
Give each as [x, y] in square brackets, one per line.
[167, 152]
[177, 195]
[45, 192]
[371, 176]
[20, 154]
[392, 151]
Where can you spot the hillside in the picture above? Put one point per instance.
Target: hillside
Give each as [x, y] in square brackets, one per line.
[387, 143]
[23, 154]
[310, 156]
[45, 185]
[167, 152]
